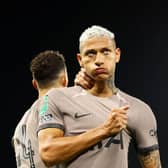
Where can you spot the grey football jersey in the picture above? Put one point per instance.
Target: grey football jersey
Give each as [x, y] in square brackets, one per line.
[75, 111]
[25, 140]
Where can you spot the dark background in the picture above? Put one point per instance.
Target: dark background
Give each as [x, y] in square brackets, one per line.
[141, 29]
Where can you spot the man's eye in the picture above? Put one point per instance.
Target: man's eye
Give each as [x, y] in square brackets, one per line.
[90, 54]
[106, 52]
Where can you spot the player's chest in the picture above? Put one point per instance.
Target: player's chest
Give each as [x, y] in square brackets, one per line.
[81, 114]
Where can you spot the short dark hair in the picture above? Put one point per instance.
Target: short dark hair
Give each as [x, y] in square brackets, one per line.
[46, 66]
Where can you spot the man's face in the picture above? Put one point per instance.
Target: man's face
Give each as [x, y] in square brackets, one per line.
[99, 56]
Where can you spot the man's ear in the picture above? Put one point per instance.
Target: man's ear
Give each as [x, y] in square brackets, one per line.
[79, 59]
[118, 53]
[34, 83]
[64, 81]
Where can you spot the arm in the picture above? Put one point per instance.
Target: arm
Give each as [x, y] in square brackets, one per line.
[55, 148]
[146, 140]
[150, 159]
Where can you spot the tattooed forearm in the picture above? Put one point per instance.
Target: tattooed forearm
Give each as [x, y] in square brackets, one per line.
[150, 159]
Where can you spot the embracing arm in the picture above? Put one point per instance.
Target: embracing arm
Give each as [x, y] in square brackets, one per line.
[55, 148]
[150, 159]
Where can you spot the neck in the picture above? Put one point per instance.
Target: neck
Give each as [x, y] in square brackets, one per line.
[42, 92]
[103, 88]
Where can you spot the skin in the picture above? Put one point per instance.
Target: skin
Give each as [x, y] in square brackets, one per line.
[62, 81]
[54, 147]
[83, 78]
[105, 55]
[150, 159]
[98, 56]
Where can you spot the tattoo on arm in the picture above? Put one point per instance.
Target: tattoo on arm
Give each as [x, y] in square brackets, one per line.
[150, 159]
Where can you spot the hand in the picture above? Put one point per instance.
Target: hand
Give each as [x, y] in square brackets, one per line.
[83, 79]
[116, 121]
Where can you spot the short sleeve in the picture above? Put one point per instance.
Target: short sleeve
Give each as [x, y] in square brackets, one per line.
[145, 129]
[49, 114]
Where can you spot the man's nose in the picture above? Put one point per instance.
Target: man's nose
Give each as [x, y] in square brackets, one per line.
[99, 59]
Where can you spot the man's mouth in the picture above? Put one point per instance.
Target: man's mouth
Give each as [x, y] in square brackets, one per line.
[100, 71]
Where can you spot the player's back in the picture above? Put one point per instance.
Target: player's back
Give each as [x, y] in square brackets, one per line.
[25, 140]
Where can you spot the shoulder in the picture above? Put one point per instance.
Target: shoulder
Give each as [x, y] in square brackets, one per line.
[140, 114]
[63, 91]
[22, 122]
[135, 102]
[25, 117]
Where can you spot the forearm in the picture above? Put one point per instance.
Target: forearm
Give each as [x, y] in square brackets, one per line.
[54, 147]
[150, 159]
[59, 149]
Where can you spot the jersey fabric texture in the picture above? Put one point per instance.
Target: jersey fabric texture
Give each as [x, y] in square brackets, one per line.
[75, 111]
[25, 140]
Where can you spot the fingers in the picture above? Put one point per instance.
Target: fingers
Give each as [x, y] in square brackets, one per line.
[120, 119]
[82, 82]
[120, 113]
[126, 107]
[83, 79]
[86, 77]
[117, 119]
[121, 110]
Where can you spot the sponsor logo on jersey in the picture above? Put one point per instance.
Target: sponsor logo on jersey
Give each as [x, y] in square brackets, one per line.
[152, 132]
[46, 117]
[78, 115]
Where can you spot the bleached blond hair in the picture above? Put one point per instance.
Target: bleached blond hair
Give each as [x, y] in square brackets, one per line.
[95, 31]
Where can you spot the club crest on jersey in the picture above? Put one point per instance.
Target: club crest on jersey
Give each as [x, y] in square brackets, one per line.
[44, 106]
